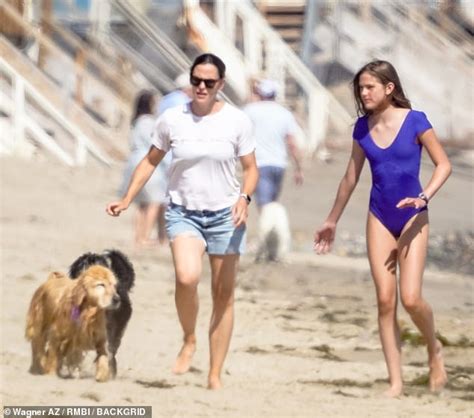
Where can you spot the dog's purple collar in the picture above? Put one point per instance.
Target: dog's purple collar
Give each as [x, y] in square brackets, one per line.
[75, 314]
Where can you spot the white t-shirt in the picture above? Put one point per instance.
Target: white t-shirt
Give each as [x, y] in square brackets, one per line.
[272, 123]
[204, 153]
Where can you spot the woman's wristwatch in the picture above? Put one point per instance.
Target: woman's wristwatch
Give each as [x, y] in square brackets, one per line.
[246, 197]
[422, 196]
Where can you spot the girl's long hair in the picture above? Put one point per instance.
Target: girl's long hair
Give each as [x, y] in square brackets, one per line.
[386, 73]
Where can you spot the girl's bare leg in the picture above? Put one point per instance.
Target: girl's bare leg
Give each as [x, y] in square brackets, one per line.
[382, 253]
[162, 238]
[150, 219]
[140, 224]
[412, 247]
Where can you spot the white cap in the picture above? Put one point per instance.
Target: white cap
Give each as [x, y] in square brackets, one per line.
[266, 88]
[182, 81]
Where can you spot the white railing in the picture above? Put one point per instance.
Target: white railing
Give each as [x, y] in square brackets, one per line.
[23, 122]
[73, 72]
[265, 53]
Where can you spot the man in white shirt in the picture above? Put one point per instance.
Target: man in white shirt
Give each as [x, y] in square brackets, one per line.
[274, 133]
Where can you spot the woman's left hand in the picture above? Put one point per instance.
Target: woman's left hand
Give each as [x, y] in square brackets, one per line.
[240, 212]
[411, 202]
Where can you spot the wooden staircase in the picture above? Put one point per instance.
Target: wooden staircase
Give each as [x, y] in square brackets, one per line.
[287, 18]
[91, 88]
[101, 136]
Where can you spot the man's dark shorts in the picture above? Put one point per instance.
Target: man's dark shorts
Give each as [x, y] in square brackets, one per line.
[269, 184]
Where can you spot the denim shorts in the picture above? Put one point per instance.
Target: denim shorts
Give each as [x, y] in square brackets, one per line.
[269, 184]
[215, 228]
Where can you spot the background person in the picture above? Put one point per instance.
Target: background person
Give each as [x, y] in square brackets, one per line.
[152, 194]
[182, 94]
[208, 208]
[274, 131]
[391, 136]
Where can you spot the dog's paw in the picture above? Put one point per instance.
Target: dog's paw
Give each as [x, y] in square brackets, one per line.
[36, 369]
[75, 372]
[113, 367]
[102, 377]
[102, 369]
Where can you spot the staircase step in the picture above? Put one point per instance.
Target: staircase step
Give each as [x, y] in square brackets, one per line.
[290, 33]
[288, 21]
[284, 9]
[285, 20]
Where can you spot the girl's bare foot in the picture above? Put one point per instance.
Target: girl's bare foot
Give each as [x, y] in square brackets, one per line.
[214, 383]
[394, 391]
[438, 375]
[185, 356]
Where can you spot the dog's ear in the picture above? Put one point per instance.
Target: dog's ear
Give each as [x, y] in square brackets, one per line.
[79, 294]
[84, 261]
[122, 268]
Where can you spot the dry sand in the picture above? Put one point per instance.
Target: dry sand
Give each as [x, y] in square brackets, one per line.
[305, 341]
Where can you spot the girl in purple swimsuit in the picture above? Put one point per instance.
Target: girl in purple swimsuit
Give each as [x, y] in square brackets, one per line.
[391, 135]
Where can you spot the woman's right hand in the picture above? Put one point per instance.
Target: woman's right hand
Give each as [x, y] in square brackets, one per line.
[324, 238]
[115, 208]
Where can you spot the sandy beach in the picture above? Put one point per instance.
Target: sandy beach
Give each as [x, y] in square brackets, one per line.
[305, 340]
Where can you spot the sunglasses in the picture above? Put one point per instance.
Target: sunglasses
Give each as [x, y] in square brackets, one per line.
[209, 83]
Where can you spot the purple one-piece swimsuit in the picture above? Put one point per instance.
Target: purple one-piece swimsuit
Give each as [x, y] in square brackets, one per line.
[395, 169]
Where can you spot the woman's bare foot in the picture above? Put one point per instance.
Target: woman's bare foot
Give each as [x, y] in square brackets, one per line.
[214, 383]
[438, 375]
[394, 391]
[185, 356]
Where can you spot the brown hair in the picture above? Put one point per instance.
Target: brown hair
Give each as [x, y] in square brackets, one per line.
[386, 73]
[209, 59]
[143, 104]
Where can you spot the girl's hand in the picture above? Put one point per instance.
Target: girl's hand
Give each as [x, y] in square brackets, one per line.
[240, 212]
[115, 208]
[411, 202]
[324, 238]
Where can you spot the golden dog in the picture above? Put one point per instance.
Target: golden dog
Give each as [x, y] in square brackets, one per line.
[67, 317]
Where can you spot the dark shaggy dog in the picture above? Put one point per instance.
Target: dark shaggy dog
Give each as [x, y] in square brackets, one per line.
[117, 319]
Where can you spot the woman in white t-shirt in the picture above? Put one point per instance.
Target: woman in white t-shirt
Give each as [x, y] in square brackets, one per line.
[208, 208]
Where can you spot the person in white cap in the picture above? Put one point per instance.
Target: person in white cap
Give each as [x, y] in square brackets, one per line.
[274, 133]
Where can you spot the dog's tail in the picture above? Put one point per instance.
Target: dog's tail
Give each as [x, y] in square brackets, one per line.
[122, 268]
